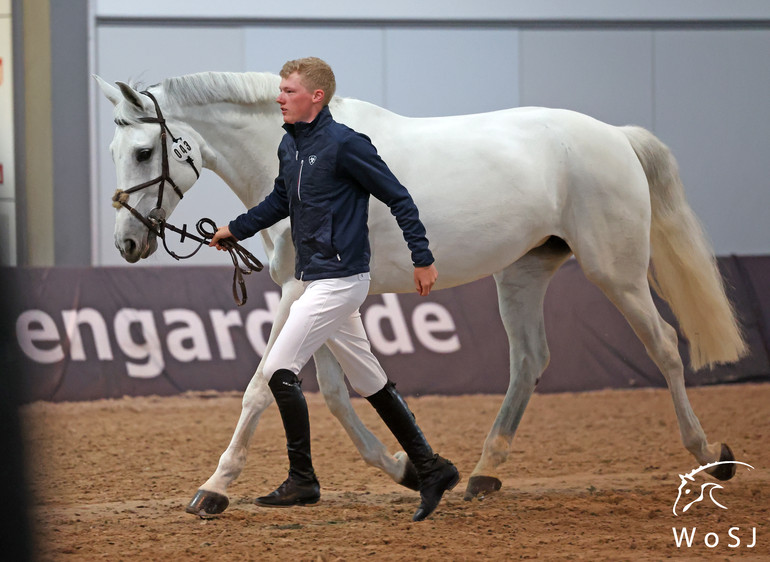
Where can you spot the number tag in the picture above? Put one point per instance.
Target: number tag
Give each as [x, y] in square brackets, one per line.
[181, 150]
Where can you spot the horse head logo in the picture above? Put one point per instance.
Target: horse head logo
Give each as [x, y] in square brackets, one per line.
[686, 486]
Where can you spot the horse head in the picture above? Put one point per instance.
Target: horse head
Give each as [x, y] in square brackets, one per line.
[157, 159]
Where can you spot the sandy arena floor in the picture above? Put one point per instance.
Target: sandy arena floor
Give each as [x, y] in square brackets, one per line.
[591, 476]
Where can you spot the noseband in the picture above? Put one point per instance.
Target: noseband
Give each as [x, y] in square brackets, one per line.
[156, 223]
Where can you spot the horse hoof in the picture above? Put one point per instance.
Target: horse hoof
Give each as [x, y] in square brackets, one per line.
[206, 504]
[480, 486]
[724, 471]
[410, 479]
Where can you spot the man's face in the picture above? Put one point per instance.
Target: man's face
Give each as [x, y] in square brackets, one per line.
[298, 104]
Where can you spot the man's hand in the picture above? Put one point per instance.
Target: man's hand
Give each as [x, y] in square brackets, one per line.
[424, 279]
[221, 233]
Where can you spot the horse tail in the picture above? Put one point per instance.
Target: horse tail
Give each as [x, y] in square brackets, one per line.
[684, 270]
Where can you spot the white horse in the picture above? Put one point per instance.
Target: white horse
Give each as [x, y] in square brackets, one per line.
[511, 194]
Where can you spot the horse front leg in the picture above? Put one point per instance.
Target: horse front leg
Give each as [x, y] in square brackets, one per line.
[211, 498]
[521, 291]
[331, 382]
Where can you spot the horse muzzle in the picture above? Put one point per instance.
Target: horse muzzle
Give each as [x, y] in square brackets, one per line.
[133, 249]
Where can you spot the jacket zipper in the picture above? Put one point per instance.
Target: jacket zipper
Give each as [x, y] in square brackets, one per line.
[299, 179]
[299, 195]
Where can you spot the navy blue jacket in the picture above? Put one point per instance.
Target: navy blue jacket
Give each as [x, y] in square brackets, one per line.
[326, 173]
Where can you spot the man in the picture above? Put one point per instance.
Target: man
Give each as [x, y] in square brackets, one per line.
[327, 172]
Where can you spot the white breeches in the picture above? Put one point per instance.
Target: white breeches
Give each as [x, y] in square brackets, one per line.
[328, 312]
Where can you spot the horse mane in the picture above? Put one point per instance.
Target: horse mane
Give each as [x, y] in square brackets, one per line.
[234, 87]
[206, 87]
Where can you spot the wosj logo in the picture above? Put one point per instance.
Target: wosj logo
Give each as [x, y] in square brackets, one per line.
[689, 495]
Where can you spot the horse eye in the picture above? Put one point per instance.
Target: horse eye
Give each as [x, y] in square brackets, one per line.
[143, 154]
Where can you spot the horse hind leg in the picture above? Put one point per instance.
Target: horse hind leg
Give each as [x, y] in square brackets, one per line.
[331, 383]
[521, 291]
[628, 289]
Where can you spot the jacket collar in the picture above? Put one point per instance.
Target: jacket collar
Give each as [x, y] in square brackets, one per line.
[300, 128]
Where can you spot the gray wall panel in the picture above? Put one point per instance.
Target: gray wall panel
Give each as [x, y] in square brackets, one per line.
[69, 114]
[604, 73]
[355, 54]
[712, 90]
[449, 71]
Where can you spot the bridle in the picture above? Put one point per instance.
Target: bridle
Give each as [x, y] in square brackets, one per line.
[155, 221]
[156, 216]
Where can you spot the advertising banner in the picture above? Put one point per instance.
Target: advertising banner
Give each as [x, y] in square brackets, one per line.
[90, 333]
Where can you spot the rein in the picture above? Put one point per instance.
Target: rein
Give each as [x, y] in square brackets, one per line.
[155, 221]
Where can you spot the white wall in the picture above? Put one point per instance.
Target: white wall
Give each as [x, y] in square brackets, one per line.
[7, 164]
[704, 92]
[440, 10]
[702, 88]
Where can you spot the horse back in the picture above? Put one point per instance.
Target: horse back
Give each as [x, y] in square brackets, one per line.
[492, 186]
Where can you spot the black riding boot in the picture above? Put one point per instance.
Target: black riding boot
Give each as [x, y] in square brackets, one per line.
[437, 474]
[301, 487]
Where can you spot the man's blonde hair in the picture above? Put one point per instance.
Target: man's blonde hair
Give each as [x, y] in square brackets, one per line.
[315, 74]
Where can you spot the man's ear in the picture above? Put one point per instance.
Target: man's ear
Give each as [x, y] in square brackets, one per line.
[318, 96]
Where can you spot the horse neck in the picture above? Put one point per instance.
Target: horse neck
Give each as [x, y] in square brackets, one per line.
[242, 141]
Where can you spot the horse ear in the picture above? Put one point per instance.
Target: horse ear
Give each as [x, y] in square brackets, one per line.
[131, 96]
[110, 91]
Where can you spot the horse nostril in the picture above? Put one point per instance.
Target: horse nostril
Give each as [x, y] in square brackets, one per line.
[130, 250]
[129, 246]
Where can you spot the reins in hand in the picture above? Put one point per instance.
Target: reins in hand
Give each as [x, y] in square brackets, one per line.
[244, 262]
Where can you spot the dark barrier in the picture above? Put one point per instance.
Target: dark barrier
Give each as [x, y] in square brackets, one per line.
[16, 527]
[85, 334]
